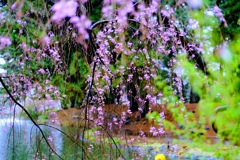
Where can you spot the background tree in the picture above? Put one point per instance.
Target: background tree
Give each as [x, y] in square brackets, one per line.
[230, 11]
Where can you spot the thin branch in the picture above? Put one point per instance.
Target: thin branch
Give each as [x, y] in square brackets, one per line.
[65, 135]
[86, 111]
[22, 107]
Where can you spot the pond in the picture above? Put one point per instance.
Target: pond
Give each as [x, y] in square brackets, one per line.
[21, 140]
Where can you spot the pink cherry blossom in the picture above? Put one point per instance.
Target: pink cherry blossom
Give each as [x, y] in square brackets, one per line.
[217, 11]
[82, 23]
[5, 41]
[63, 9]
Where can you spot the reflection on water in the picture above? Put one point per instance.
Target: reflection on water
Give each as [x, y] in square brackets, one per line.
[20, 139]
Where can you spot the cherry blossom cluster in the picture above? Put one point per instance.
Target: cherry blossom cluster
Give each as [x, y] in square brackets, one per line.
[68, 9]
[5, 41]
[53, 118]
[217, 11]
[157, 131]
[156, 36]
[63, 9]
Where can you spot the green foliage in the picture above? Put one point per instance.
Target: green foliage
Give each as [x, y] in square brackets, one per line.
[230, 9]
[33, 112]
[40, 116]
[221, 86]
[90, 135]
[154, 116]
[95, 10]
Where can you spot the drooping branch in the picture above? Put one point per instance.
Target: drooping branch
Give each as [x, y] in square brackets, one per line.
[65, 135]
[29, 116]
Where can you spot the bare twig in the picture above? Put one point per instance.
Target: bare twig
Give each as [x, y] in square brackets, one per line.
[65, 135]
[29, 116]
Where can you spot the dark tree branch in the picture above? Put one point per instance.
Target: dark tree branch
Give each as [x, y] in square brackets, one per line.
[30, 117]
[86, 121]
[65, 135]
